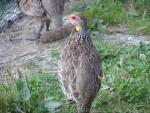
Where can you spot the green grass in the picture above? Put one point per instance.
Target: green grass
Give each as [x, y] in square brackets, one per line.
[55, 55]
[125, 87]
[40, 93]
[126, 82]
[139, 26]
[102, 13]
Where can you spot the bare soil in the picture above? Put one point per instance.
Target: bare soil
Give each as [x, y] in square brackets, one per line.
[16, 51]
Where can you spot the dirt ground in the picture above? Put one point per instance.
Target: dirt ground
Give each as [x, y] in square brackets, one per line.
[16, 50]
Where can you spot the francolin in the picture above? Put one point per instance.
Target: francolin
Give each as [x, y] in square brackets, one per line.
[80, 65]
[45, 11]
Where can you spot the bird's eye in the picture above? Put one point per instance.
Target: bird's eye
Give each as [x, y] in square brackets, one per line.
[73, 17]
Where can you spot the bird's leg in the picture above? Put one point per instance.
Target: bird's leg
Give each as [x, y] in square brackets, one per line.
[83, 107]
[47, 24]
[39, 31]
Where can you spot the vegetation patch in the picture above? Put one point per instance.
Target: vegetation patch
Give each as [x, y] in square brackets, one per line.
[131, 14]
[125, 85]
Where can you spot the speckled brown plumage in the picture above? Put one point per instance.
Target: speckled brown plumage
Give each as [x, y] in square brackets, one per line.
[58, 34]
[45, 11]
[80, 70]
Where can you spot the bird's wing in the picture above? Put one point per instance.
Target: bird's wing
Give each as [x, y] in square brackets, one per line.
[79, 67]
[88, 70]
[53, 7]
[66, 73]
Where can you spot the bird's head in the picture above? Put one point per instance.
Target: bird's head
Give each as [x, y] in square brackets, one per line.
[77, 20]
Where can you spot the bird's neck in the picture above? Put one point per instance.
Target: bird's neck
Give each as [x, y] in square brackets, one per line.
[80, 36]
[80, 33]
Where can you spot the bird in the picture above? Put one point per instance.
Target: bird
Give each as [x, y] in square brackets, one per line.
[45, 11]
[79, 66]
[58, 34]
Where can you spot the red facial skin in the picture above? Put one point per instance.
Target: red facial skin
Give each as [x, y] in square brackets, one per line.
[74, 19]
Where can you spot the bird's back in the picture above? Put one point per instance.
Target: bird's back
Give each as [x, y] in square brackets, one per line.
[31, 7]
[38, 7]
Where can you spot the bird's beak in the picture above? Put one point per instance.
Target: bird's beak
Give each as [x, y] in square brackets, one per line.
[66, 19]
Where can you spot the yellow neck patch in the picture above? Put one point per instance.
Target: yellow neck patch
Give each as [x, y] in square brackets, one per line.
[77, 28]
